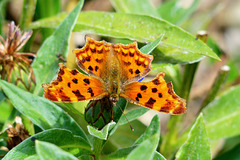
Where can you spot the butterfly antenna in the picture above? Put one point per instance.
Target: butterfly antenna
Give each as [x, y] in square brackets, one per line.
[126, 118]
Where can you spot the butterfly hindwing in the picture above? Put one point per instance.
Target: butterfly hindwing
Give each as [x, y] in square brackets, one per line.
[73, 86]
[134, 63]
[156, 94]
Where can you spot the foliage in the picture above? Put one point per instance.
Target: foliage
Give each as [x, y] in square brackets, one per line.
[60, 131]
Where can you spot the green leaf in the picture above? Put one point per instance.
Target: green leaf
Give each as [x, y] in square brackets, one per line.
[103, 133]
[50, 151]
[119, 154]
[177, 45]
[120, 140]
[153, 128]
[34, 157]
[40, 111]
[132, 115]
[197, 145]
[143, 7]
[60, 137]
[5, 111]
[158, 156]
[175, 12]
[145, 150]
[123, 153]
[147, 49]
[222, 116]
[45, 65]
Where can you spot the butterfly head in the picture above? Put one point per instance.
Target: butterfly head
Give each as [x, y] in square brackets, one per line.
[114, 98]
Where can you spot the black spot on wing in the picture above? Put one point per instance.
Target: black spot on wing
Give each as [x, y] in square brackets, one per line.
[139, 95]
[150, 102]
[75, 80]
[137, 71]
[74, 72]
[90, 68]
[96, 68]
[160, 95]
[143, 87]
[154, 90]
[86, 80]
[131, 71]
[78, 95]
[90, 91]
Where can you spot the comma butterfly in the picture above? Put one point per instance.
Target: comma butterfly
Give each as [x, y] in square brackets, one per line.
[113, 71]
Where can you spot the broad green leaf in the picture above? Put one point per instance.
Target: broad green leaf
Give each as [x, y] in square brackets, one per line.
[233, 154]
[50, 151]
[175, 12]
[122, 153]
[222, 115]
[145, 150]
[103, 133]
[34, 157]
[177, 45]
[2, 96]
[143, 7]
[158, 156]
[45, 65]
[119, 138]
[234, 71]
[60, 137]
[5, 111]
[197, 145]
[39, 110]
[132, 115]
[153, 128]
[147, 49]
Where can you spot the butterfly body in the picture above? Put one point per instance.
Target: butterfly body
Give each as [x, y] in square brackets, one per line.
[114, 70]
[113, 82]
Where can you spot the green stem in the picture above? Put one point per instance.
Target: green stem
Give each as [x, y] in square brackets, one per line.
[222, 75]
[189, 73]
[27, 13]
[97, 148]
[169, 147]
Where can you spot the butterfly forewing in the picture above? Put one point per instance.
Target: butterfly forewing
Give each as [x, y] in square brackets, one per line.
[156, 94]
[134, 63]
[73, 86]
[92, 58]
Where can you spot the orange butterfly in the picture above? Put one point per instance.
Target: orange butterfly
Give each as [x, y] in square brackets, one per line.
[113, 71]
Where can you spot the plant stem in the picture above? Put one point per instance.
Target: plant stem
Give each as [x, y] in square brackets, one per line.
[222, 75]
[189, 73]
[97, 148]
[168, 147]
[27, 13]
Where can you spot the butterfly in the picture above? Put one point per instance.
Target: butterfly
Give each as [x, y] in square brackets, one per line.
[113, 71]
